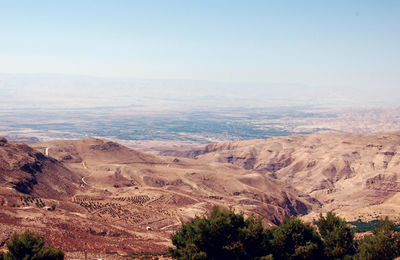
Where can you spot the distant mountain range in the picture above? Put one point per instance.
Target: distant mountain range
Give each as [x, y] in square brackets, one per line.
[69, 91]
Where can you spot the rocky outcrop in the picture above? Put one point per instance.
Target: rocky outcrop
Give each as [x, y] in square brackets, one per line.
[30, 172]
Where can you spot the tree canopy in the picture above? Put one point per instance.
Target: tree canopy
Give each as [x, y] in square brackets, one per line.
[337, 236]
[224, 235]
[295, 239]
[30, 246]
[228, 235]
[383, 243]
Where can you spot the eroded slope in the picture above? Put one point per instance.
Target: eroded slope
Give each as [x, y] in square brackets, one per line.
[115, 199]
[355, 174]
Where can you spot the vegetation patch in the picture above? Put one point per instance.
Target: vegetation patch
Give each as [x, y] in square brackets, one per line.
[30, 246]
[359, 226]
[227, 235]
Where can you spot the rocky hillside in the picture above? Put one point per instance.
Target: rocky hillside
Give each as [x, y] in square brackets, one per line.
[355, 174]
[109, 165]
[93, 149]
[28, 171]
[106, 194]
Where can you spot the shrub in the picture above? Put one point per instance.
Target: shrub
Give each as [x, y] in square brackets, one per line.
[30, 246]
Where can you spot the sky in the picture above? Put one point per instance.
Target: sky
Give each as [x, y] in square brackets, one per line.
[327, 44]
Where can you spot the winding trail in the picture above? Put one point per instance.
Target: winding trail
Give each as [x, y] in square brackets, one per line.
[83, 178]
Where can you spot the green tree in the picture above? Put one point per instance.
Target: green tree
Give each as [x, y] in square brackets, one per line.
[224, 235]
[337, 236]
[256, 240]
[30, 246]
[382, 244]
[295, 239]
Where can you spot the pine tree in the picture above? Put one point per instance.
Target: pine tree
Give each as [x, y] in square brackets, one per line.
[337, 236]
[30, 246]
[224, 235]
[295, 239]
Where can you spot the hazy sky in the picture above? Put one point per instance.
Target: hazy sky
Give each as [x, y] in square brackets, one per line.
[320, 43]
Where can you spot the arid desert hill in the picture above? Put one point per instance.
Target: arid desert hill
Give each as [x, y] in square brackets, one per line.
[111, 199]
[356, 175]
[94, 150]
[28, 171]
[110, 166]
